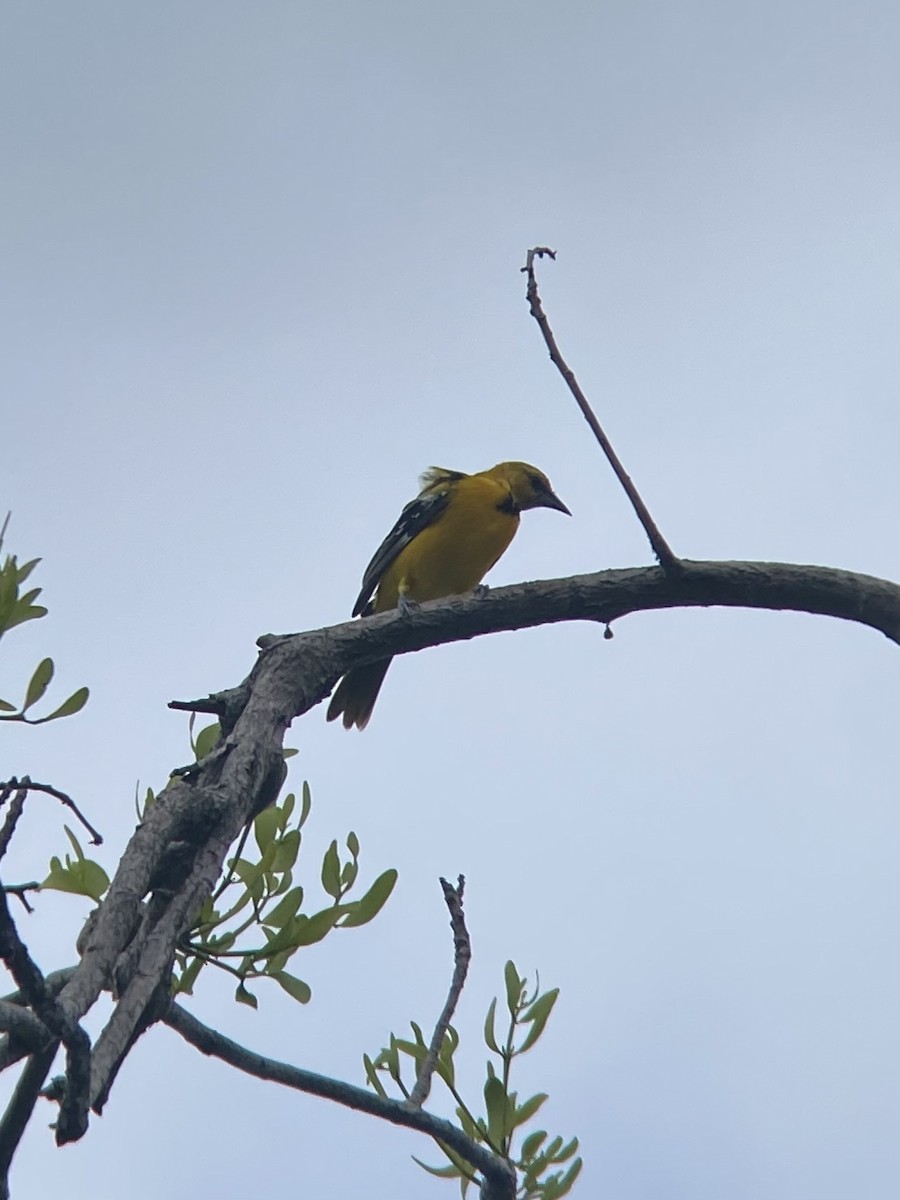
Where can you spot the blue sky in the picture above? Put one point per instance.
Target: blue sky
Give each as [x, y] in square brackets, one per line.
[261, 268]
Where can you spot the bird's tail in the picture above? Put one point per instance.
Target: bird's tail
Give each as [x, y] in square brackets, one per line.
[356, 694]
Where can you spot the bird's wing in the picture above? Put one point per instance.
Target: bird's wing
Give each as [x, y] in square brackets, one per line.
[418, 514]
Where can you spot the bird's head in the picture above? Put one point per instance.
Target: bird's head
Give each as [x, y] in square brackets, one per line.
[529, 487]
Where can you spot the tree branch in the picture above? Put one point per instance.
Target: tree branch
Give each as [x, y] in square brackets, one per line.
[462, 956]
[178, 850]
[14, 812]
[72, 1121]
[29, 786]
[659, 545]
[498, 1175]
[20, 1107]
[26, 1033]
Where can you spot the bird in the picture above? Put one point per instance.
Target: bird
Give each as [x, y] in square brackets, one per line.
[443, 544]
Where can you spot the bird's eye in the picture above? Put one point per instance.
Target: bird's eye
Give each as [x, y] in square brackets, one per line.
[538, 484]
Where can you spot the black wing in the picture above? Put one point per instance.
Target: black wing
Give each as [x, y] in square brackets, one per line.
[418, 514]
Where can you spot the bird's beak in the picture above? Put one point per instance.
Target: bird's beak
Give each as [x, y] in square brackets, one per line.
[551, 500]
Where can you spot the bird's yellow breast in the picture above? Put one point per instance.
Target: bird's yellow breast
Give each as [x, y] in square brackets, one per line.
[455, 552]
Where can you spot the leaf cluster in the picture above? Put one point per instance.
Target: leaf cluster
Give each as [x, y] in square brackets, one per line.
[501, 1128]
[79, 875]
[16, 607]
[254, 923]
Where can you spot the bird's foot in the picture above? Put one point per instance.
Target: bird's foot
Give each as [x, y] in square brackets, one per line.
[480, 591]
[407, 605]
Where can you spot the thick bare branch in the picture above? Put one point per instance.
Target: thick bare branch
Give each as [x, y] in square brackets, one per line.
[307, 664]
[25, 1033]
[20, 1107]
[72, 1121]
[178, 851]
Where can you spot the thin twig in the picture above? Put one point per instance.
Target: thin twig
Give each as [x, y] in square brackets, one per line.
[462, 956]
[25, 782]
[16, 807]
[19, 890]
[210, 705]
[660, 547]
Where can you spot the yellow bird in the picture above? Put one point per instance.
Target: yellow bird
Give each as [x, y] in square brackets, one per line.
[444, 543]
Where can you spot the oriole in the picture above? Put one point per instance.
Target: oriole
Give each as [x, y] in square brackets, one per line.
[443, 544]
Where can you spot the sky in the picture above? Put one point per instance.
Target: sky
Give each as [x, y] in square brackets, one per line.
[261, 266]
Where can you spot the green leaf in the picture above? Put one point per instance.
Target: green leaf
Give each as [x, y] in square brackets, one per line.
[5, 706]
[564, 1186]
[524, 1112]
[305, 931]
[25, 570]
[219, 942]
[305, 804]
[185, 985]
[289, 751]
[287, 879]
[566, 1151]
[246, 871]
[391, 1060]
[265, 828]
[532, 1144]
[286, 851]
[446, 1071]
[537, 1015]
[465, 1169]
[294, 987]
[286, 808]
[413, 1049]
[244, 997]
[206, 740]
[495, 1102]
[286, 908]
[468, 1126]
[68, 708]
[372, 1077]
[74, 842]
[553, 1149]
[38, 683]
[448, 1172]
[14, 611]
[489, 1034]
[360, 912]
[331, 872]
[353, 844]
[94, 880]
[513, 987]
[80, 878]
